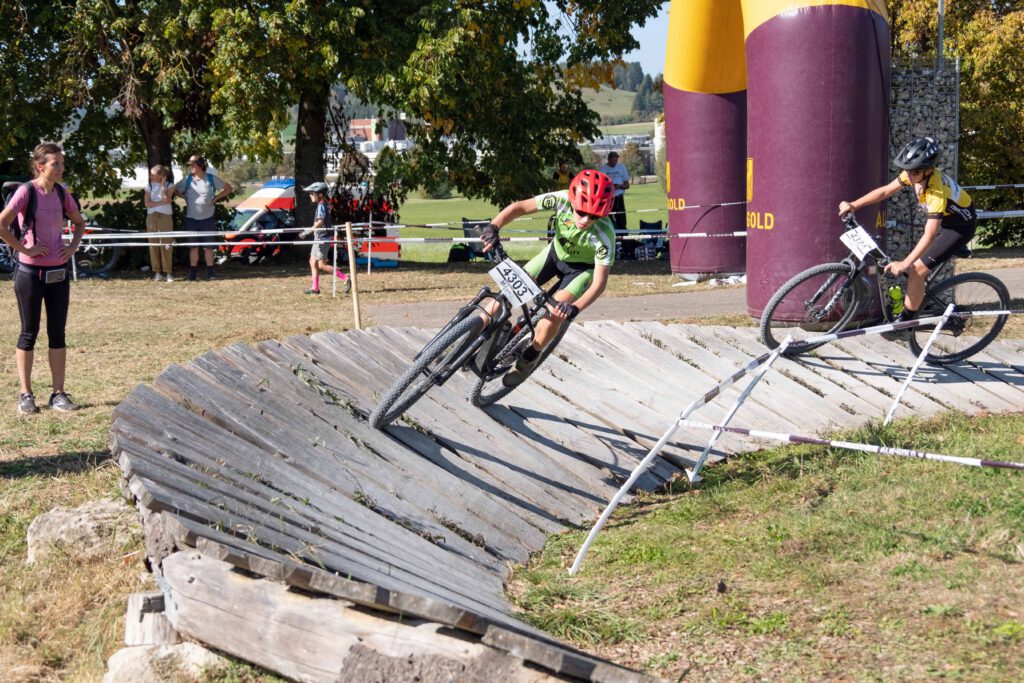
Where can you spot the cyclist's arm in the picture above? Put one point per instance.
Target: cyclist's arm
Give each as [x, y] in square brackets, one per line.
[595, 289]
[514, 211]
[876, 195]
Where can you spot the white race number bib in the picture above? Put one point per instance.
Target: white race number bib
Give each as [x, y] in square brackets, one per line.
[516, 285]
[859, 242]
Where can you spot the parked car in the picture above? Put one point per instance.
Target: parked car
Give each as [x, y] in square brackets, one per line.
[270, 207]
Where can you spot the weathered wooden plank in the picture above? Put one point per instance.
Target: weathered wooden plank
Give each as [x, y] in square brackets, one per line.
[145, 622]
[329, 457]
[895, 361]
[326, 640]
[822, 384]
[483, 474]
[533, 477]
[446, 498]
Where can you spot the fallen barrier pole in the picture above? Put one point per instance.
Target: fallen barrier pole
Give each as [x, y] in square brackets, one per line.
[862, 447]
[694, 474]
[767, 358]
[917, 363]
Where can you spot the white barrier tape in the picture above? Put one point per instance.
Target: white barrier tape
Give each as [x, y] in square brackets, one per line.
[993, 187]
[853, 446]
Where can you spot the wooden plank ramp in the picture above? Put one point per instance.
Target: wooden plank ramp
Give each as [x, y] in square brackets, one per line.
[259, 460]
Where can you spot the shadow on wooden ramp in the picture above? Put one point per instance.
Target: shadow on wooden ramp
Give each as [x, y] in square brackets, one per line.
[266, 497]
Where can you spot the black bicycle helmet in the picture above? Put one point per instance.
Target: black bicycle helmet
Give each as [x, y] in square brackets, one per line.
[919, 154]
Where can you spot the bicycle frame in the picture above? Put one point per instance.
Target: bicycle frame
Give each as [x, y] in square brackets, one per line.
[478, 352]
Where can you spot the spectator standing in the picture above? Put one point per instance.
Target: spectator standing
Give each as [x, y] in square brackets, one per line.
[321, 234]
[42, 275]
[201, 191]
[158, 199]
[620, 177]
[562, 176]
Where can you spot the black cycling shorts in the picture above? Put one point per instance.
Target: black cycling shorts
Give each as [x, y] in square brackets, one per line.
[947, 243]
[574, 277]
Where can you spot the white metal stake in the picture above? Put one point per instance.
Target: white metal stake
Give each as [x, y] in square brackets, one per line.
[656, 449]
[694, 474]
[334, 263]
[917, 364]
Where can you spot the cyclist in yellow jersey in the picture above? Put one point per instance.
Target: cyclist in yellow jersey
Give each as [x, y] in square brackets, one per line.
[951, 216]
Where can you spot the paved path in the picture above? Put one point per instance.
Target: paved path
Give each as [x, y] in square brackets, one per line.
[729, 300]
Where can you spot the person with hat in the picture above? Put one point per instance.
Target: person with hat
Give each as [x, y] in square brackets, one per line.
[321, 234]
[201, 190]
[620, 177]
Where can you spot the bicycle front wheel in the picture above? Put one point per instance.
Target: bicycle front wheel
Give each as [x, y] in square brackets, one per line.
[962, 337]
[426, 370]
[820, 300]
[491, 387]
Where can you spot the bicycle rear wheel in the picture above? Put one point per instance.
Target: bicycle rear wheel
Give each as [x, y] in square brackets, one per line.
[820, 300]
[962, 337]
[427, 368]
[490, 388]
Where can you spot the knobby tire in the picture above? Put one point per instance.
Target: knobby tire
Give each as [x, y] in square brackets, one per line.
[773, 329]
[419, 377]
[961, 338]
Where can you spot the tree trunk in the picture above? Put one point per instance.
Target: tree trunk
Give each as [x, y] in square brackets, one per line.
[157, 139]
[309, 146]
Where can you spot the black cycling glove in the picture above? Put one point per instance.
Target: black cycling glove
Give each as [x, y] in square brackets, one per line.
[489, 235]
[567, 309]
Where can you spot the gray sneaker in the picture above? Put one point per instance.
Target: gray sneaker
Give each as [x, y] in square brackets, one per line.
[61, 401]
[27, 404]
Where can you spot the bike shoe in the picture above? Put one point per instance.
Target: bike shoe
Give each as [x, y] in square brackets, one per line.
[27, 404]
[522, 370]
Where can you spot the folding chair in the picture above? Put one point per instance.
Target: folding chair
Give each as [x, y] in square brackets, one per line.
[650, 246]
[469, 229]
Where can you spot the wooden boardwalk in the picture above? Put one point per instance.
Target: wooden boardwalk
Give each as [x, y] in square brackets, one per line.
[261, 455]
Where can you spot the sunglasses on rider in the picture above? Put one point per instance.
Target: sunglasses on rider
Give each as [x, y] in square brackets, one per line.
[584, 214]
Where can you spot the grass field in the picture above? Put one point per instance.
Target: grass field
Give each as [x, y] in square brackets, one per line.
[835, 566]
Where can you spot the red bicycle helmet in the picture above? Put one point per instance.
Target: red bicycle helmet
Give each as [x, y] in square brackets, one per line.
[592, 192]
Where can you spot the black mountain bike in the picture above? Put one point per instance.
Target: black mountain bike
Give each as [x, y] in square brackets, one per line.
[832, 297]
[466, 342]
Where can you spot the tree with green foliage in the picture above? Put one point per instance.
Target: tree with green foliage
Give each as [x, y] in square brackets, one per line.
[988, 38]
[633, 160]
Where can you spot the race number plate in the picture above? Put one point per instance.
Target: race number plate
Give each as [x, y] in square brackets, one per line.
[516, 285]
[859, 242]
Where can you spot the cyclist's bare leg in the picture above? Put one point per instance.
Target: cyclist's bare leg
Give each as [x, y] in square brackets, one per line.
[548, 326]
[916, 276]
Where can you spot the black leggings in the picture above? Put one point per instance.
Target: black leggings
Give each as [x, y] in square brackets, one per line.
[31, 292]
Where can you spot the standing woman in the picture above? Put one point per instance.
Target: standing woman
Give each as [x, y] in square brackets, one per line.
[42, 275]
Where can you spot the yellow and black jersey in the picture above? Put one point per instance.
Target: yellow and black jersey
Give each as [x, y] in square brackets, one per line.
[943, 198]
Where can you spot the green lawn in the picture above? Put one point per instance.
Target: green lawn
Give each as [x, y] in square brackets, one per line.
[648, 197]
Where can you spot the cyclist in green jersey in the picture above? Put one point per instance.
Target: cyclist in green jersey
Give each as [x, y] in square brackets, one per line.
[581, 253]
[951, 217]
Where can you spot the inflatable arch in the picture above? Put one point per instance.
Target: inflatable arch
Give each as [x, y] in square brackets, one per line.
[782, 104]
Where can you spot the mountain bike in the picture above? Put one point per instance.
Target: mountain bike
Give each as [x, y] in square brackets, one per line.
[486, 344]
[832, 297]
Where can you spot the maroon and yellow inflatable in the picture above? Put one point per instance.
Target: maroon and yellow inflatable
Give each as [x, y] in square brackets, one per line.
[817, 102]
[705, 134]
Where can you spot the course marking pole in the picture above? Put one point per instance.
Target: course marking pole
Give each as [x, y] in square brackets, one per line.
[917, 364]
[862, 447]
[656, 449]
[352, 274]
[694, 474]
